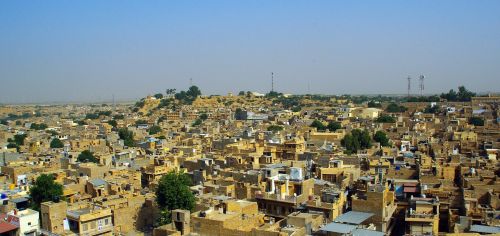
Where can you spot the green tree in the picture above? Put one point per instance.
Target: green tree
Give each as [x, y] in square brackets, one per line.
[395, 108]
[273, 94]
[275, 128]
[19, 139]
[241, 93]
[431, 109]
[381, 137]
[296, 109]
[127, 136]
[154, 129]
[463, 95]
[87, 156]
[318, 125]
[52, 132]
[44, 189]
[173, 193]
[118, 117]
[476, 121]
[333, 126]
[158, 96]
[203, 116]
[374, 104]
[356, 140]
[141, 122]
[81, 122]
[170, 92]
[112, 123]
[385, 119]
[193, 92]
[166, 102]
[36, 126]
[13, 145]
[92, 116]
[197, 122]
[56, 143]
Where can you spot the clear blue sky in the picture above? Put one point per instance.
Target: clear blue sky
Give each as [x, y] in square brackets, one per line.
[88, 50]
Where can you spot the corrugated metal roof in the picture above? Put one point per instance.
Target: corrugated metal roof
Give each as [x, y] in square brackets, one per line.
[366, 232]
[338, 228]
[98, 182]
[353, 217]
[484, 229]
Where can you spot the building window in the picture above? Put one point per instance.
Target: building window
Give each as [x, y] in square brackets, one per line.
[92, 225]
[85, 227]
[106, 221]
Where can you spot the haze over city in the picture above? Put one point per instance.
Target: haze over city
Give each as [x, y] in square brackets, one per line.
[249, 118]
[88, 50]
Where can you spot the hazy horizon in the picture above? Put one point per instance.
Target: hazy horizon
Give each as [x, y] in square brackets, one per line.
[86, 51]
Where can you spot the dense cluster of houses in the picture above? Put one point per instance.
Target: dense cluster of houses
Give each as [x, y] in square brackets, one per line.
[257, 168]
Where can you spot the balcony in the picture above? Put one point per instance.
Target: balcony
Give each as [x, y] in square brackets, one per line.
[419, 217]
[280, 198]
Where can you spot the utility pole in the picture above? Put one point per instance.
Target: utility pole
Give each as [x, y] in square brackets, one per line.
[114, 104]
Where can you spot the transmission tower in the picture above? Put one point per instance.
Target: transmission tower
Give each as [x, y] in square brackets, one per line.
[421, 79]
[272, 81]
[409, 85]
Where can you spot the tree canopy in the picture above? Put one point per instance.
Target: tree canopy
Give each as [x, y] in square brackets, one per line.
[395, 108]
[275, 128]
[188, 96]
[19, 139]
[431, 109]
[87, 156]
[56, 143]
[374, 104]
[381, 137]
[356, 140]
[203, 116]
[173, 193]
[318, 125]
[331, 126]
[463, 95]
[385, 119]
[154, 129]
[44, 189]
[477, 121]
[197, 122]
[158, 96]
[36, 126]
[127, 136]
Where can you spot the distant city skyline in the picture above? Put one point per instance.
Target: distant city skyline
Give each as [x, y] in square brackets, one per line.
[86, 51]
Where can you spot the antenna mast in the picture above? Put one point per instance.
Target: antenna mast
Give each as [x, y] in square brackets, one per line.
[409, 85]
[272, 81]
[421, 78]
